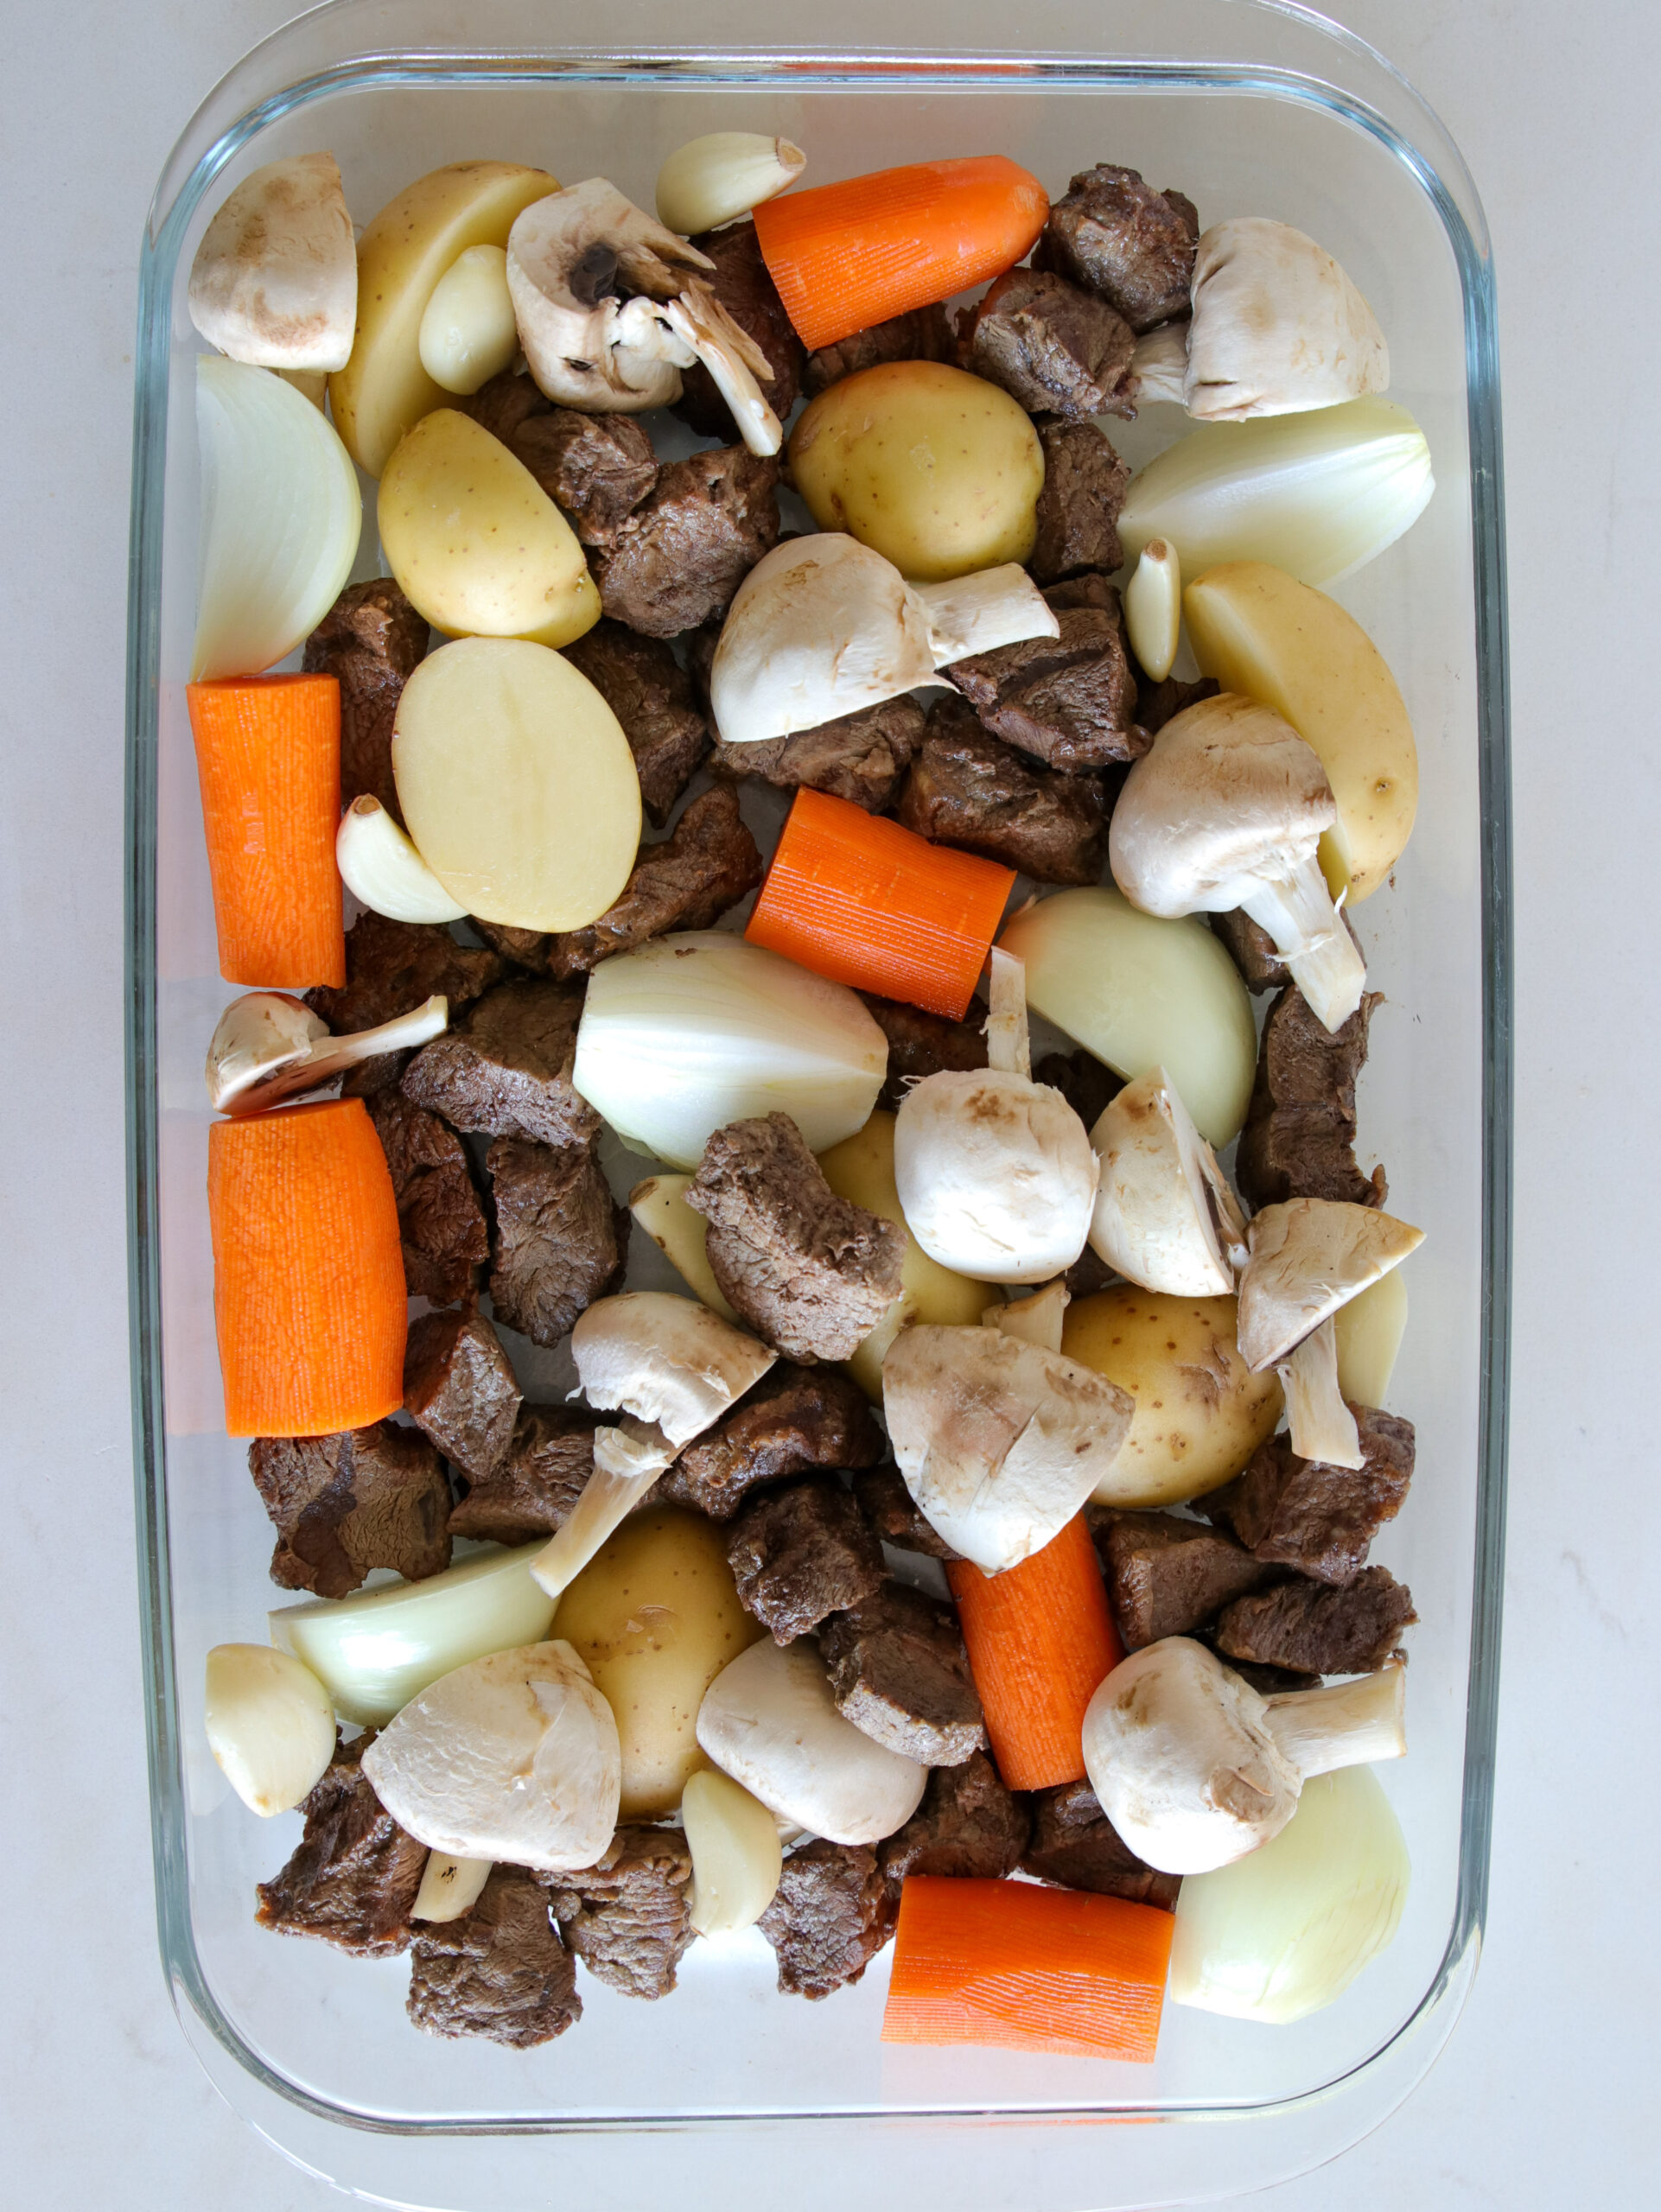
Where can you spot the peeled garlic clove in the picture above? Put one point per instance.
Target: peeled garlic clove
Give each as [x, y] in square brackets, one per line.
[736, 1854]
[467, 332]
[271, 1725]
[449, 1885]
[716, 178]
[380, 865]
[1153, 607]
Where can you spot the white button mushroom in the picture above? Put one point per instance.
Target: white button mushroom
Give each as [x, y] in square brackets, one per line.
[274, 280]
[1165, 1217]
[268, 1046]
[1277, 325]
[271, 1725]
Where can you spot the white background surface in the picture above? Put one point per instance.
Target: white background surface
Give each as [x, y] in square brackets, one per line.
[1545, 2097]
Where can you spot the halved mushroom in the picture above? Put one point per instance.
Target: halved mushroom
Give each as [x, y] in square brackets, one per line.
[269, 1046]
[1036, 1320]
[1165, 1217]
[274, 280]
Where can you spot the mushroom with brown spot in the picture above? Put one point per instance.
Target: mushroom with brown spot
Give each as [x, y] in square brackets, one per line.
[274, 280]
[269, 1046]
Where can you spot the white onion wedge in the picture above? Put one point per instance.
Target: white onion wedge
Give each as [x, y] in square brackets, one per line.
[271, 1725]
[378, 864]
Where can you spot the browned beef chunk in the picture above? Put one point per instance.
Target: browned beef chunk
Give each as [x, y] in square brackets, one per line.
[1067, 700]
[354, 1875]
[625, 1916]
[811, 1273]
[1088, 1087]
[1300, 1131]
[1316, 1630]
[740, 280]
[1088, 1275]
[524, 948]
[650, 693]
[1251, 948]
[392, 966]
[342, 1504]
[1302, 1513]
[459, 1388]
[559, 1241]
[831, 1916]
[800, 1552]
[499, 1971]
[441, 1222]
[1157, 703]
[795, 1418]
[1130, 244]
[1075, 1846]
[922, 1044]
[595, 468]
[1165, 1576]
[1058, 350]
[859, 757]
[1268, 1681]
[502, 404]
[506, 1067]
[1085, 485]
[372, 639]
[899, 1671]
[686, 883]
[967, 788]
[892, 1511]
[684, 552]
[921, 334]
[969, 1827]
[532, 1489]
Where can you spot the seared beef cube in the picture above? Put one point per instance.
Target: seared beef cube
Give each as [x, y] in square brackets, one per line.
[1128, 244]
[860, 757]
[801, 1552]
[625, 1916]
[1057, 350]
[392, 967]
[559, 1242]
[372, 639]
[967, 788]
[595, 468]
[1157, 703]
[1088, 1087]
[505, 1068]
[1075, 1846]
[342, 1504]
[532, 1489]
[502, 404]
[793, 1419]
[892, 1511]
[1319, 1519]
[683, 553]
[1251, 948]
[922, 1044]
[1165, 1577]
[1068, 700]
[920, 334]
[650, 693]
[833, 1914]
[524, 948]
[740, 280]
[354, 1875]
[810, 1272]
[969, 1827]
[441, 1224]
[1299, 1130]
[499, 1971]
[1315, 1630]
[686, 883]
[1085, 485]
[1268, 1681]
[899, 1671]
[459, 1388]
[375, 1079]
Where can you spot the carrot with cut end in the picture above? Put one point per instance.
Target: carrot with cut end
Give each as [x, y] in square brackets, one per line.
[846, 256]
[308, 1294]
[1027, 1968]
[1040, 1638]
[268, 754]
[865, 902]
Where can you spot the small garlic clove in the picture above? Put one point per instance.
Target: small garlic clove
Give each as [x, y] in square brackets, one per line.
[380, 865]
[722, 175]
[467, 332]
[736, 1854]
[1153, 607]
[449, 1886]
[271, 1725]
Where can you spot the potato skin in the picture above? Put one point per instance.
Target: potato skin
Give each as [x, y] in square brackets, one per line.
[935, 469]
[1201, 1412]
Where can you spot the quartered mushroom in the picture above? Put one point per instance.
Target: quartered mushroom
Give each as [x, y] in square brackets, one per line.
[1165, 1217]
[269, 1046]
[274, 280]
[1036, 1320]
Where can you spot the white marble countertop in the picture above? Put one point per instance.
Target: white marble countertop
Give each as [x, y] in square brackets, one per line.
[1545, 2096]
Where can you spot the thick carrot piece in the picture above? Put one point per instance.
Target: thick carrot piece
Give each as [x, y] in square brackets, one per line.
[861, 900]
[308, 1294]
[268, 754]
[845, 255]
[1040, 1638]
[1027, 1968]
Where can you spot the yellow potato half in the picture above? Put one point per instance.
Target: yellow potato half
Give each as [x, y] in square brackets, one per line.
[937, 470]
[1262, 632]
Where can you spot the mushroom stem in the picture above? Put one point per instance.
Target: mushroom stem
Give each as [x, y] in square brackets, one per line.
[627, 1461]
[1322, 1425]
[732, 357]
[1343, 1724]
[1008, 1050]
[1298, 912]
[1159, 365]
[1035, 1320]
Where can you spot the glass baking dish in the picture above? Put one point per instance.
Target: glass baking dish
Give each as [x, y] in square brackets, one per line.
[1258, 109]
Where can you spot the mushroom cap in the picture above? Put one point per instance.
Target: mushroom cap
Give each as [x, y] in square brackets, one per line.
[665, 1358]
[274, 280]
[1308, 1256]
[996, 1174]
[257, 1034]
[1227, 795]
[1155, 1218]
[1277, 327]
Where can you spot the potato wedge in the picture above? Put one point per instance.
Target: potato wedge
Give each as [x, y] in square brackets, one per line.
[659, 1205]
[1370, 1330]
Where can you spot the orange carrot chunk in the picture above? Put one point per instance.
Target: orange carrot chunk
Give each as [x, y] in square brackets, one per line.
[308, 1294]
[1027, 1968]
[865, 902]
[1040, 1639]
[846, 256]
[268, 754]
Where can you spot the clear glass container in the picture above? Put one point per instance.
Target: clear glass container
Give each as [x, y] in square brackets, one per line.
[1249, 108]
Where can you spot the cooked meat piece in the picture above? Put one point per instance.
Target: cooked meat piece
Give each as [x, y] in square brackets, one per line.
[354, 1874]
[810, 1272]
[800, 1552]
[532, 1489]
[1302, 1513]
[898, 1670]
[795, 1418]
[595, 468]
[1088, 1275]
[373, 639]
[502, 404]
[392, 966]
[506, 1067]
[625, 1916]
[740, 280]
[1268, 1681]
[969, 1827]
[501, 1971]
[1085, 485]
[892, 1511]
[967, 788]
[686, 883]
[1057, 350]
[1316, 1630]
[1252, 951]
[1300, 1131]
[524, 948]
[925, 1044]
[920, 334]
[342, 1504]
[459, 1388]
[1076, 1846]
[859, 757]
[559, 1242]
[1066, 700]
[684, 552]
[1088, 1087]
[650, 693]
[1132, 246]
[441, 1222]
[372, 1079]
[831, 1916]
[1165, 1576]
[1157, 703]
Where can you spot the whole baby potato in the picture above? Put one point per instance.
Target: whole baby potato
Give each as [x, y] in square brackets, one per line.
[937, 470]
[655, 1616]
[1201, 1412]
